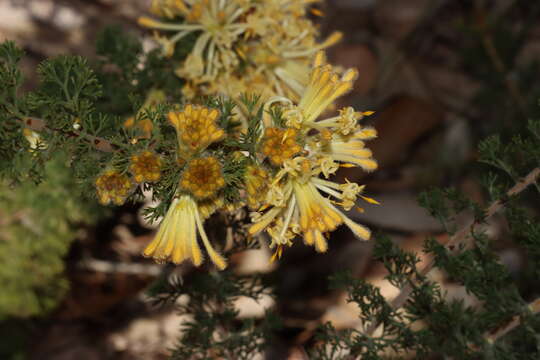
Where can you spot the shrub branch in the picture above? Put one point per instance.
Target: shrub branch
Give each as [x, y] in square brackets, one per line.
[492, 336]
[98, 143]
[457, 239]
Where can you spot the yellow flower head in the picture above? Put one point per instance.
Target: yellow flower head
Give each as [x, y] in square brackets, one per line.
[336, 139]
[284, 57]
[146, 166]
[346, 124]
[325, 86]
[196, 128]
[346, 140]
[316, 216]
[299, 201]
[296, 206]
[176, 239]
[350, 150]
[219, 24]
[257, 182]
[113, 187]
[280, 144]
[203, 177]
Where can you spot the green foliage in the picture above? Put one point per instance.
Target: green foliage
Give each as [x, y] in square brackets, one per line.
[71, 99]
[375, 309]
[490, 54]
[472, 263]
[13, 160]
[254, 110]
[215, 331]
[10, 76]
[38, 226]
[444, 204]
[126, 76]
[68, 86]
[526, 231]
[119, 49]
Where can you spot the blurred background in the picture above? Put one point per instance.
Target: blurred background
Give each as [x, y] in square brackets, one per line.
[440, 74]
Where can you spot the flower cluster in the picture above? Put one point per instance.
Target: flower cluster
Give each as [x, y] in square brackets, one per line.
[242, 45]
[295, 205]
[176, 239]
[257, 183]
[280, 145]
[286, 177]
[278, 159]
[202, 177]
[113, 187]
[146, 167]
[197, 195]
[196, 128]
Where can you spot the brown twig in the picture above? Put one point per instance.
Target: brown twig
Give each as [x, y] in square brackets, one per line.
[458, 238]
[492, 336]
[100, 144]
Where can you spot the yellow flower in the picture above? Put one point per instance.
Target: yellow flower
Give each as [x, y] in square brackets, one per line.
[220, 26]
[145, 126]
[176, 239]
[274, 38]
[327, 165]
[112, 187]
[325, 86]
[317, 215]
[146, 166]
[280, 45]
[196, 128]
[302, 205]
[346, 142]
[279, 144]
[348, 120]
[295, 204]
[202, 177]
[284, 58]
[233, 85]
[349, 150]
[345, 124]
[339, 138]
[257, 182]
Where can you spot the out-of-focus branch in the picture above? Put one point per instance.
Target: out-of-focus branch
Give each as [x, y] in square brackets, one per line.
[491, 337]
[117, 267]
[500, 67]
[459, 237]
